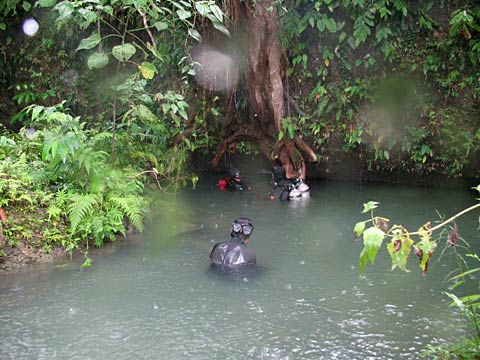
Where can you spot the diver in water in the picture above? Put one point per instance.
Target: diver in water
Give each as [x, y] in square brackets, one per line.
[233, 255]
[284, 188]
[233, 183]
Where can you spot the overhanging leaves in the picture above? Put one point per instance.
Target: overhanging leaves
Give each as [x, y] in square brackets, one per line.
[147, 69]
[372, 241]
[399, 249]
[370, 206]
[90, 42]
[97, 61]
[359, 227]
[425, 247]
[123, 52]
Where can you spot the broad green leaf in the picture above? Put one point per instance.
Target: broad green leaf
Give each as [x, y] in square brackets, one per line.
[202, 8]
[184, 14]
[90, 42]
[320, 24]
[65, 10]
[89, 16]
[97, 61]
[105, 8]
[165, 108]
[399, 249]
[217, 12]
[45, 3]
[370, 206]
[183, 113]
[195, 34]
[372, 241]
[26, 6]
[425, 247]
[331, 25]
[147, 69]
[123, 52]
[160, 25]
[359, 227]
[219, 26]
[145, 115]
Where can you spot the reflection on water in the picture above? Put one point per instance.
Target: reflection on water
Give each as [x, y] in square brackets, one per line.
[157, 298]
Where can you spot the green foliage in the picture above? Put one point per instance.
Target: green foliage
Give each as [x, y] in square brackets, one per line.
[84, 191]
[374, 76]
[9, 8]
[399, 249]
[469, 306]
[372, 241]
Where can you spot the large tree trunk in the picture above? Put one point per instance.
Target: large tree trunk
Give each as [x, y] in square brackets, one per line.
[264, 78]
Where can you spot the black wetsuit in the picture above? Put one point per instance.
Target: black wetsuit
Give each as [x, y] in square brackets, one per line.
[283, 186]
[232, 255]
[234, 185]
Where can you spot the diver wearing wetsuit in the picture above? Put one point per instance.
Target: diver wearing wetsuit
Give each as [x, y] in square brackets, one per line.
[234, 183]
[286, 188]
[233, 255]
[283, 186]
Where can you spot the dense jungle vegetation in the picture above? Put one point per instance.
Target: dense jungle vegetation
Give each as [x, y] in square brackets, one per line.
[112, 100]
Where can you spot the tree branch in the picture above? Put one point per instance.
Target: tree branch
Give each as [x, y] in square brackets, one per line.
[147, 29]
[302, 145]
[242, 132]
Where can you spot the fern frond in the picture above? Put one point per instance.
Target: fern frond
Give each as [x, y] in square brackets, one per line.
[131, 205]
[80, 207]
[100, 137]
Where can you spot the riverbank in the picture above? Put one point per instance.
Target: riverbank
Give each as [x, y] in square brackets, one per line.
[21, 257]
[31, 247]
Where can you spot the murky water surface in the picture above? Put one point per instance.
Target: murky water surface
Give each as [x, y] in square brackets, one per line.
[154, 297]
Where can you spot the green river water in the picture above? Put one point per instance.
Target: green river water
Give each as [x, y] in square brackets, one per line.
[155, 297]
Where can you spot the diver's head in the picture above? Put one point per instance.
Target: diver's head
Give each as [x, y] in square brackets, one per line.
[242, 227]
[235, 175]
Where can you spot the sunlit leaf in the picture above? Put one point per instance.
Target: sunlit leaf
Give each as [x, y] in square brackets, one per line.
[359, 227]
[399, 249]
[470, 299]
[147, 69]
[183, 14]
[195, 34]
[90, 42]
[160, 25]
[65, 10]
[456, 301]
[97, 61]
[425, 247]
[217, 12]
[123, 52]
[202, 8]
[372, 241]
[370, 206]
[26, 6]
[45, 3]
[145, 114]
[331, 25]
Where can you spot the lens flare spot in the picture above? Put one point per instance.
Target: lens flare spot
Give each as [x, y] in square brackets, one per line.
[30, 27]
[215, 70]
